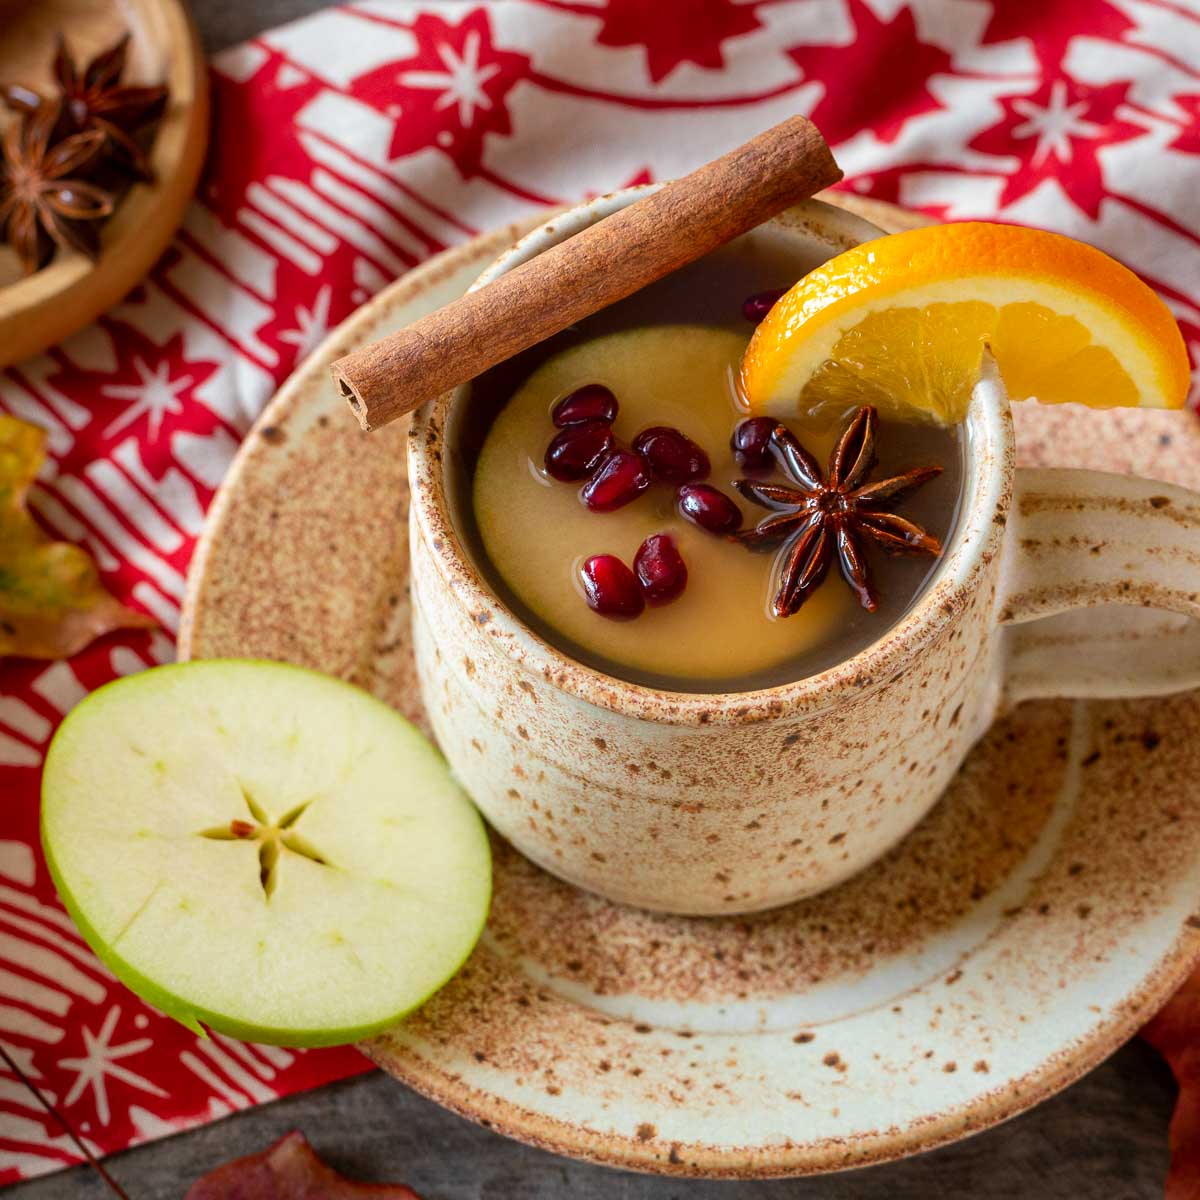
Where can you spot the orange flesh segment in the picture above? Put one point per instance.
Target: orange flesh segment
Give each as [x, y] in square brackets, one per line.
[902, 321]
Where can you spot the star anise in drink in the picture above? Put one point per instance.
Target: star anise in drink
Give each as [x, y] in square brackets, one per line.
[94, 99]
[823, 518]
[43, 202]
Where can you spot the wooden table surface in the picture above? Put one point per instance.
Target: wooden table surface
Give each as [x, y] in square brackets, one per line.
[1103, 1139]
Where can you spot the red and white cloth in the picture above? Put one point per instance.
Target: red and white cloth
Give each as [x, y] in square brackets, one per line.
[352, 145]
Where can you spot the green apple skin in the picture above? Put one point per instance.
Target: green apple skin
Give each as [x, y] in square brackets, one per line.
[197, 1018]
[200, 1020]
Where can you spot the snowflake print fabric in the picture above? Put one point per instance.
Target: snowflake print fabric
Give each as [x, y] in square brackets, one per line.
[356, 143]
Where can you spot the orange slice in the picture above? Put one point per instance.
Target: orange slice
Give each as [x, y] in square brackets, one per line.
[901, 322]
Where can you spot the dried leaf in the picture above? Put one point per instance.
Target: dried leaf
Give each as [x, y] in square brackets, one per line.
[51, 601]
[1175, 1034]
[289, 1169]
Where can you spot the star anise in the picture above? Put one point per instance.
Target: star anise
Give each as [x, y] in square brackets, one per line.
[42, 201]
[820, 519]
[95, 100]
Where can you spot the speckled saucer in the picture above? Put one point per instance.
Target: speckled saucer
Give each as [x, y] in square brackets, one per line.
[1027, 928]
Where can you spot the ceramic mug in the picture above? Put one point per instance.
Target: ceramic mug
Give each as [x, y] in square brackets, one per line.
[708, 804]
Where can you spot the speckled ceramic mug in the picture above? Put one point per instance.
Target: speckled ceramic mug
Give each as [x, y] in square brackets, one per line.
[706, 804]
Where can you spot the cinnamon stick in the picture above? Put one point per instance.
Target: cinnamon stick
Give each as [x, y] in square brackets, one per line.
[650, 238]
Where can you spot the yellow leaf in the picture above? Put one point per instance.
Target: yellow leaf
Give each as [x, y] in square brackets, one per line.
[52, 603]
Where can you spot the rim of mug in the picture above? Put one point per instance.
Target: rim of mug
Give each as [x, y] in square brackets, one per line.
[977, 536]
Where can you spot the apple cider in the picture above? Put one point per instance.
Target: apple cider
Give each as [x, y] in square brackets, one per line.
[618, 498]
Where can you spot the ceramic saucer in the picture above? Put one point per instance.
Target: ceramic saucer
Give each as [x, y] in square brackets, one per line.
[1028, 927]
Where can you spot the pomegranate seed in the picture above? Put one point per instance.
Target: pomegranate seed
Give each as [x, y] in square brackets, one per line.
[621, 477]
[660, 569]
[592, 402]
[610, 587]
[671, 456]
[575, 452]
[751, 444]
[703, 505]
[755, 307]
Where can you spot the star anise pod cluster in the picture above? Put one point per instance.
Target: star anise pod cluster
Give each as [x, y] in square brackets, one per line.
[44, 199]
[94, 99]
[55, 182]
[823, 518]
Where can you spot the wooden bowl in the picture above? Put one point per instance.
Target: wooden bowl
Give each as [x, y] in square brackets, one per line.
[38, 310]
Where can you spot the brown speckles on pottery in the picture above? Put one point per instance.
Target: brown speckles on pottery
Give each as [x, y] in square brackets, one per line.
[563, 1028]
[825, 758]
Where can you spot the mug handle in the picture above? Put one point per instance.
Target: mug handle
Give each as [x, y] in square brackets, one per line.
[1088, 555]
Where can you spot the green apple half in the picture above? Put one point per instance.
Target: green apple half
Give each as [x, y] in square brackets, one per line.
[263, 850]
